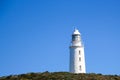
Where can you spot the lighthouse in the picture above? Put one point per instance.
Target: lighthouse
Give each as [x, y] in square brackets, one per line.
[77, 56]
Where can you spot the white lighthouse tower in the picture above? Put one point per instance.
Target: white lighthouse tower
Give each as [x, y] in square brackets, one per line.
[77, 59]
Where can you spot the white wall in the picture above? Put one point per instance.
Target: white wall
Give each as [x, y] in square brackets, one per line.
[75, 63]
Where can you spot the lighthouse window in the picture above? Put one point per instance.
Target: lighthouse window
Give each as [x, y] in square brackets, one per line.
[80, 68]
[79, 52]
[79, 58]
[73, 37]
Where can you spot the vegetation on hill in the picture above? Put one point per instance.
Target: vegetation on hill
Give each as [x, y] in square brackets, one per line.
[60, 76]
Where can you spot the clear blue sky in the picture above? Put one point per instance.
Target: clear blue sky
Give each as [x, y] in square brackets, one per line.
[35, 35]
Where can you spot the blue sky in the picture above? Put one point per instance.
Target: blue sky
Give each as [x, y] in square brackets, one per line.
[35, 35]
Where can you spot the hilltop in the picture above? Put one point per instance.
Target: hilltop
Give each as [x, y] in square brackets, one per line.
[60, 76]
